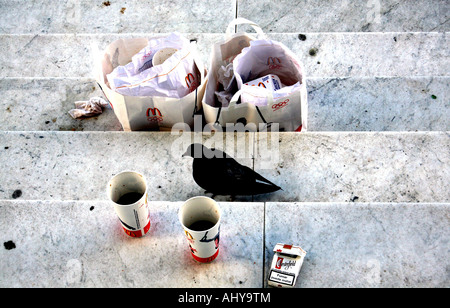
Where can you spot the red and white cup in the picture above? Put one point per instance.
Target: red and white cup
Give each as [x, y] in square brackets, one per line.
[200, 218]
[128, 193]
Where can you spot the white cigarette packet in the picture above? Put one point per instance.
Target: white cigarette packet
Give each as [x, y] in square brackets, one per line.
[271, 82]
[286, 264]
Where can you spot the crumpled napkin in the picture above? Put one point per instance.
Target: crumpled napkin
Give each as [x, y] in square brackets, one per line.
[227, 79]
[88, 108]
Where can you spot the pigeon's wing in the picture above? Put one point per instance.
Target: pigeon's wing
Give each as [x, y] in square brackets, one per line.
[223, 175]
[243, 175]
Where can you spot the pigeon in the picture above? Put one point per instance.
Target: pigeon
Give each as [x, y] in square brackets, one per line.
[220, 174]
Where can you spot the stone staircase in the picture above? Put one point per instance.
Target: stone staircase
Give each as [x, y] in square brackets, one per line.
[365, 190]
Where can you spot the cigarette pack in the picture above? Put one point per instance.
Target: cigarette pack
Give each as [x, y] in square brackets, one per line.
[271, 82]
[286, 264]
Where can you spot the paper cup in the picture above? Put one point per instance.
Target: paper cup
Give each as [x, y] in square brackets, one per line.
[128, 193]
[162, 55]
[200, 218]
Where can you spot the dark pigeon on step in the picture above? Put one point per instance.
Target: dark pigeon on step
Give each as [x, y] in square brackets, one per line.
[220, 174]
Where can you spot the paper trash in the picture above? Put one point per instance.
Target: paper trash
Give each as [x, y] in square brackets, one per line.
[176, 77]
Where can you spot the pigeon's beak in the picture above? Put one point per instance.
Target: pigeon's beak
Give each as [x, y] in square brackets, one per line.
[185, 154]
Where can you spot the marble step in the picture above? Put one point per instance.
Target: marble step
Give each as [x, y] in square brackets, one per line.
[347, 16]
[363, 245]
[71, 16]
[324, 55]
[335, 104]
[310, 167]
[81, 244]
[131, 16]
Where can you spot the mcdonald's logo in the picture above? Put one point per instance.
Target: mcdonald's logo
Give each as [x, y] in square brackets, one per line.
[153, 111]
[189, 79]
[191, 83]
[154, 115]
[273, 63]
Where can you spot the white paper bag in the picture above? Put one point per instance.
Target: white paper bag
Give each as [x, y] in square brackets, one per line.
[141, 77]
[152, 112]
[253, 59]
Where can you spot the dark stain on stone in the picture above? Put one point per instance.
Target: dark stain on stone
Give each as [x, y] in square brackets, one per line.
[433, 96]
[313, 52]
[354, 199]
[106, 3]
[395, 38]
[9, 245]
[17, 194]
[122, 10]
[91, 208]
[6, 148]
[302, 37]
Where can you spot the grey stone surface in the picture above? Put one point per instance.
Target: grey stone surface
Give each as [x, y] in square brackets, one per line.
[347, 16]
[132, 16]
[378, 104]
[71, 55]
[335, 54]
[43, 104]
[335, 104]
[310, 167]
[212, 17]
[82, 244]
[77, 166]
[370, 54]
[373, 65]
[363, 245]
[355, 166]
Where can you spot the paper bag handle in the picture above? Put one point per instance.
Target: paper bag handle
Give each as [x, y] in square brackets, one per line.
[241, 21]
[197, 60]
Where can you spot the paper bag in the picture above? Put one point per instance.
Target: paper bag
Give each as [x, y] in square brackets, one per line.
[151, 112]
[253, 59]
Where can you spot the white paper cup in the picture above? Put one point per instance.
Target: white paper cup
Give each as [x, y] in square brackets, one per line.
[200, 218]
[128, 193]
[162, 55]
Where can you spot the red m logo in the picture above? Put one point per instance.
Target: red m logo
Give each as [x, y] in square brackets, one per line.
[189, 80]
[272, 61]
[153, 111]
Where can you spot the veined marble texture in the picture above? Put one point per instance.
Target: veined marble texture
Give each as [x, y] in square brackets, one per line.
[309, 167]
[132, 16]
[347, 16]
[323, 54]
[199, 16]
[335, 104]
[78, 166]
[356, 167]
[371, 245]
[82, 244]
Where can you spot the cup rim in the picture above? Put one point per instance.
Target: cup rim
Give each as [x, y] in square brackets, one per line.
[200, 197]
[120, 173]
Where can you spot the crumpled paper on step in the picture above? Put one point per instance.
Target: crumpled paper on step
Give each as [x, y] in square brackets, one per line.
[89, 108]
